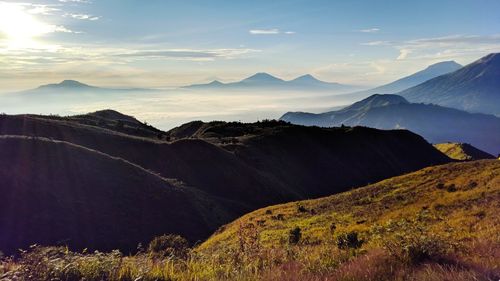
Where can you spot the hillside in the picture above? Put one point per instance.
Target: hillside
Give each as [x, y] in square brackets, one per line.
[115, 121]
[436, 124]
[453, 205]
[57, 193]
[439, 223]
[239, 167]
[474, 87]
[462, 151]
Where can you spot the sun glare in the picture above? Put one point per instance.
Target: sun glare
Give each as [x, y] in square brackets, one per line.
[19, 27]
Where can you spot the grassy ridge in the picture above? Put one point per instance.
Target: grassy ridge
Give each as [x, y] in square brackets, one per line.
[439, 223]
[462, 151]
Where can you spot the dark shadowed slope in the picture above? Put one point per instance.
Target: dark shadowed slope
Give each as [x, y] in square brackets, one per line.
[59, 193]
[475, 87]
[462, 151]
[315, 161]
[250, 163]
[435, 123]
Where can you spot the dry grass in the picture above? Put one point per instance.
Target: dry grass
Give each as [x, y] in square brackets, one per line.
[430, 225]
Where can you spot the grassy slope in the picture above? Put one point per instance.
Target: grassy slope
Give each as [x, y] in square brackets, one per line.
[440, 223]
[469, 209]
[462, 151]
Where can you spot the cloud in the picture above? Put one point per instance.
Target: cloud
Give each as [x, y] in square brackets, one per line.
[75, 1]
[370, 30]
[269, 32]
[82, 16]
[403, 53]
[376, 43]
[187, 54]
[41, 9]
[264, 31]
[443, 48]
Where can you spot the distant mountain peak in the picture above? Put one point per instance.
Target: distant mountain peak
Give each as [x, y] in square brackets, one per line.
[474, 87]
[67, 84]
[307, 77]
[378, 100]
[262, 76]
[72, 83]
[215, 82]
[453, 65]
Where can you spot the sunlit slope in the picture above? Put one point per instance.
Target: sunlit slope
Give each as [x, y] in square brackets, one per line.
[462, 151]
[457, 201]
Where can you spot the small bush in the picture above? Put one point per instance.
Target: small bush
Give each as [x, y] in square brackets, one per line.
[294, 235]
[301, 209]
[333, 227]
[451, 188]
[349, 240]
[169, 245]
[417, 247]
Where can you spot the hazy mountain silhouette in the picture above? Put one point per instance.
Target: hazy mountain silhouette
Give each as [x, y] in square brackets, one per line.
[232, 168]
[475, 87]
[435, 123]
[409, 81]
[267, 81]
[73, 86]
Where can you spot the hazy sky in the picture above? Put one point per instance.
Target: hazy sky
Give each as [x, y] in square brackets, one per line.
[162, 43]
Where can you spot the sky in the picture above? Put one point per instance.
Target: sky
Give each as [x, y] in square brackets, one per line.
[164, 43]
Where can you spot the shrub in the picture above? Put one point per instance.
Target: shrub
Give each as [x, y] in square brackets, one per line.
[416, 247]
[333, 227]
[301, 209]
[169, 245]
[294, 235]
[451, 188]
[349, 240]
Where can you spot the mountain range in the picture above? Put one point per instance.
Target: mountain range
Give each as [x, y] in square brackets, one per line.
[475, 87]
[435, 123]
[415, 79]
[106, 181]
[263, 81]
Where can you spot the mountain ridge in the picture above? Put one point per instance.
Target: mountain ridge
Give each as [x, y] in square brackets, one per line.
[414, 79]
[436, 123]
[474, 88]
[263, 80]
